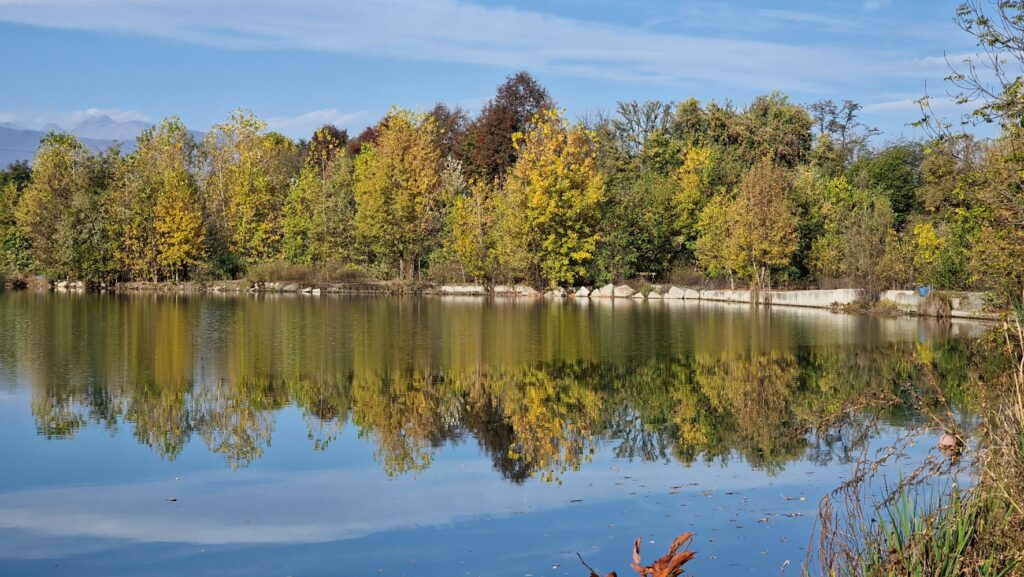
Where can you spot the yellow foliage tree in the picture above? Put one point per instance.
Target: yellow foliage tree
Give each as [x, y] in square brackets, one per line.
[557, 184]
[246, 181]
[764, 221]
[398, 191]
[155, 209]
[469, 239]
[180, 234]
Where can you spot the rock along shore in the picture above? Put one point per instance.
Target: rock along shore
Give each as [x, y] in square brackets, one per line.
[971, 305]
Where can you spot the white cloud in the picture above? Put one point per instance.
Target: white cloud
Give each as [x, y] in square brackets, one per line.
[910, 108]
[874, 5]
[312, 506]
[461, 32]
[304, 124]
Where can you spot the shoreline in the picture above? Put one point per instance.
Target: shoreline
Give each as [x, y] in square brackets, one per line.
[956, 304]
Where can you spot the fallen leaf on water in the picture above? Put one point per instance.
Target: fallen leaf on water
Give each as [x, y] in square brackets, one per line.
[669, 564]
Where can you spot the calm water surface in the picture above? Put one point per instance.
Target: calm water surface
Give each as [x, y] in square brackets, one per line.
[251, 436]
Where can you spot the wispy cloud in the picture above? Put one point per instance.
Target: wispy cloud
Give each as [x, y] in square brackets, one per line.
[875, 5]
[905, 106]
[456, 31]
[305, 124]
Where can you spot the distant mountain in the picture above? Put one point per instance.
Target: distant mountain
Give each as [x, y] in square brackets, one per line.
[103, 127]
[96, 132]
[21, 144]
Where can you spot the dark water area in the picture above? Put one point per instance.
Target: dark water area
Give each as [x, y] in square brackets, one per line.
[316, 436]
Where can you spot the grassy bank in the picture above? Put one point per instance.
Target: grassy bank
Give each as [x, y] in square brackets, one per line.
[961, 511]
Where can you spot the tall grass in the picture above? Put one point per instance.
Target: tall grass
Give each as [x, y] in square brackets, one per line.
[936, 534]
[927, 525]
[306, 274]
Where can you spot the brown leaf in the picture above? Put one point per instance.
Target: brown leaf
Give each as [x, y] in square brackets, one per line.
[668, 565]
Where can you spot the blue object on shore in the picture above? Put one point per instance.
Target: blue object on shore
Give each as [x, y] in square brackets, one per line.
[922, 291]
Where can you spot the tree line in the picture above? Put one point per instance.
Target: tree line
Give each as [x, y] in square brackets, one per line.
[773, 192]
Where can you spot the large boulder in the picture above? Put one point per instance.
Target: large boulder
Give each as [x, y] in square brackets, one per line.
[557, 292]
[582, 292]
[523, 290]
[463, 289]
[654, 294]
[675, 293]
[607, 291]
[623, 291]
[692, 294]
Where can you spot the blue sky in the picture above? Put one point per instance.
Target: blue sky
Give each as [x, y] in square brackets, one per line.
[301, 63]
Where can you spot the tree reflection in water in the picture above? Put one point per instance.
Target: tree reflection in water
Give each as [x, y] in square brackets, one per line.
[535, 385]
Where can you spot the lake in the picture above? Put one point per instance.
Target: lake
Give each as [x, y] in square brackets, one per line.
[307, 436]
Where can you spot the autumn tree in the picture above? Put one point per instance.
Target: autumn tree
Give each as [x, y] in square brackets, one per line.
[556, 184]
[245, 183]
[469, 239]
[60, 212]
[154, 209]
[355, 145]
[489, 150]
[715, 248]
[450, 126]
[756, 232]
[398, 191]
[327, 142]
[180, 230]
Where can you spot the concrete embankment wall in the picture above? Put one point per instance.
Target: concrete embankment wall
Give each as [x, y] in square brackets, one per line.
[961, 304]
[969, 305]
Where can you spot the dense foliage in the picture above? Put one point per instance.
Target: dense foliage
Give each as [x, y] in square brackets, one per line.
[772, 193]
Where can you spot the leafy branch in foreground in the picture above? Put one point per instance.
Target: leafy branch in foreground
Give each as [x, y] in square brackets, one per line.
[668, 565]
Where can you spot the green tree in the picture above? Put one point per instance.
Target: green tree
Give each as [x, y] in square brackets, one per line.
[320, 207]
[61, 211]
[14, 244]
[865, 238]
[772, 126]
[639, 228]
[894, 171]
